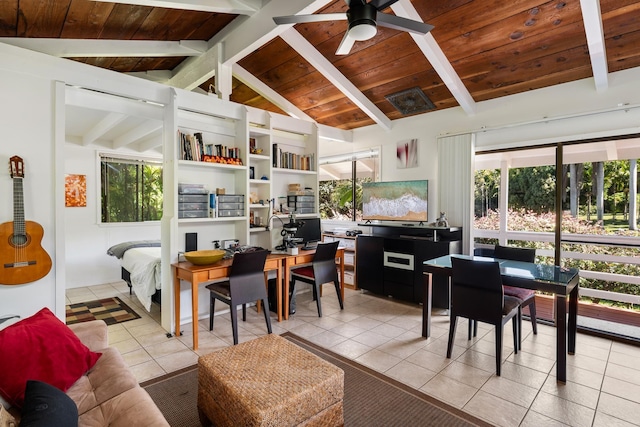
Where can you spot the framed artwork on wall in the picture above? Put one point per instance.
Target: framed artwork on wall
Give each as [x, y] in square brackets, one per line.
[407, 154]
[75, 191]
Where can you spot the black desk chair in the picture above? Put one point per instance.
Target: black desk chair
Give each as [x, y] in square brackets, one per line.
[323, 270]
[527, 297]
[246, 284]
[476, 294]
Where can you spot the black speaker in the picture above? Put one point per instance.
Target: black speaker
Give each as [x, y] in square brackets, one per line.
[273, 302]
[190, 242]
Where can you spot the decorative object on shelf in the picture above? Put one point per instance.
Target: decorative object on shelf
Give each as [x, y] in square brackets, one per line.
[442, 220]
[204, 257]
[75, 191]
[23, 258]
[407, 154]
[252, 172]
[222, 160]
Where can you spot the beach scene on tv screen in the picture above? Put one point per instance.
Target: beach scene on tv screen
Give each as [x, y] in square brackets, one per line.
[400, 201]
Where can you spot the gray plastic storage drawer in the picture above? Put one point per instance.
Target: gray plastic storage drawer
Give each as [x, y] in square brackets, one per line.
[230, 212]
[192, 189]
[305, 210]
[231, 198]
[193, 198]
[230, 206]
[193, 214]
[193, 206]
[301, 199]
[301, 205]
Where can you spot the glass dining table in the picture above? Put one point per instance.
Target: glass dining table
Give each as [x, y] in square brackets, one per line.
[561, 281]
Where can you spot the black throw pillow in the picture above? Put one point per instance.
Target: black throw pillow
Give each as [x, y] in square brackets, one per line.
[47, 406]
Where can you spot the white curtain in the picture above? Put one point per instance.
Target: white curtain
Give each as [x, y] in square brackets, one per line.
[456, 184]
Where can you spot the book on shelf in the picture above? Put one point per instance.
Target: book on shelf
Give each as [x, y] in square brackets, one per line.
[288, 160]
[193, 147]
[190, 147]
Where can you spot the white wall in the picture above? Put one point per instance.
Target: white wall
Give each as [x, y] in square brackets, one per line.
[86, 240]
[27, 131]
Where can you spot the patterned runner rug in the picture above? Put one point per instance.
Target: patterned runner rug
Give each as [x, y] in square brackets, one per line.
[111, 310]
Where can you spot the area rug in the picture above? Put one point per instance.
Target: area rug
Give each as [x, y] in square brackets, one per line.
[111, 310]
[370, 398]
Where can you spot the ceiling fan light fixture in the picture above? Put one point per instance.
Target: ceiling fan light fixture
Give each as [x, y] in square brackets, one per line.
[363, 30]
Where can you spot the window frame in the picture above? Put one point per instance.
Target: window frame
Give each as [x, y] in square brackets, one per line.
[353, 158]
[134, 159]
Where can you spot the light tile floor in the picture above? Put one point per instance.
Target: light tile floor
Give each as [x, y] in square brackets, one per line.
[603, 387]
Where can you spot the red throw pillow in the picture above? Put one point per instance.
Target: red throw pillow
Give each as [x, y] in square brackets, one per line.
[41, 348]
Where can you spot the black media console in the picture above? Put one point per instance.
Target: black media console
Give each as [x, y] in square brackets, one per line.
[389, 260]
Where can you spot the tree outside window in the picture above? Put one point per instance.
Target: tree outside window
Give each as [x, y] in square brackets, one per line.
[131, 190]
[341, 185]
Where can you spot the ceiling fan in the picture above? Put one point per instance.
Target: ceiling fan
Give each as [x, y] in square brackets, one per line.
[363, 19]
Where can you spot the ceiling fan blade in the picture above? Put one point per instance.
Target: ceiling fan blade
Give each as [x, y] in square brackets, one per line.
[345, 45]
[298, 19]
[402, 24]
[382, 4]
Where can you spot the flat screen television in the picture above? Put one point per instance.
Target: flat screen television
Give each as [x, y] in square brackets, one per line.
[310, 230]
[395, 201]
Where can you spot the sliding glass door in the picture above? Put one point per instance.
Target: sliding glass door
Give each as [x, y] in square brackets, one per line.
[588, 205]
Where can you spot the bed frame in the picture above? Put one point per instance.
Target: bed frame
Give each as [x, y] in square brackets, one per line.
[126, 276]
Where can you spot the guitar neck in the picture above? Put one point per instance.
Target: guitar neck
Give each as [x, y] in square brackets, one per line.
[18, 207]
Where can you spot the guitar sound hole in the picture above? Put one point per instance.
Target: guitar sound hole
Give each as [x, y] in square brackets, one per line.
[19, 240]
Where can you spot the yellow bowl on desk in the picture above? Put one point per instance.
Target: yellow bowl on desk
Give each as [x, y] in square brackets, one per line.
[204, 257]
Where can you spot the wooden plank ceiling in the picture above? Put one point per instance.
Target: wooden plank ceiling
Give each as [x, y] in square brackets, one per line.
[496, 48]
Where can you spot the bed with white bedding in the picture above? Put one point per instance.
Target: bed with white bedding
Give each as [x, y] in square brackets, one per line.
[140, 262]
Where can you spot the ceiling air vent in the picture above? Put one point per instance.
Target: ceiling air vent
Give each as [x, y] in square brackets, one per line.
[411, 101]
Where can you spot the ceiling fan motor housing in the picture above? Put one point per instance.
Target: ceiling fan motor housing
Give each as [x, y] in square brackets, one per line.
[364, 18]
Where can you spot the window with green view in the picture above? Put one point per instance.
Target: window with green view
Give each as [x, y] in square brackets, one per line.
[131, 190]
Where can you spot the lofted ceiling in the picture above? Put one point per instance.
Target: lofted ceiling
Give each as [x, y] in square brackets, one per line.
[478, 49]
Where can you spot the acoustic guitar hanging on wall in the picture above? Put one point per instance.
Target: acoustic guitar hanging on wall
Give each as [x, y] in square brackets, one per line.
[22, 258]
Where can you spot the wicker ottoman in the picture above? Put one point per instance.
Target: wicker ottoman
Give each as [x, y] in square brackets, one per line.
[269, 381]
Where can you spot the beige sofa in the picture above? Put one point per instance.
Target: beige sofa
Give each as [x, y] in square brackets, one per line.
[109, 394]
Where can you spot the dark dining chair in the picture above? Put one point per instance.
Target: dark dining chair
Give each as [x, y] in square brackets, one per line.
[246, 284]
[527, 297]
[476, 294]
[321, 271]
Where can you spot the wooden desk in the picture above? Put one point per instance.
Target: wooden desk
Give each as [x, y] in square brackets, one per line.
[563, 282]
[306, 257]
[197, 274]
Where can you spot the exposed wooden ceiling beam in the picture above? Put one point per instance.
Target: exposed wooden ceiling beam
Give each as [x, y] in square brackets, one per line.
[192, 72]
[271, 95]
[103, 126]
[85, 48]
[595, 40]
[236, 7]
[259, 28]
[154, 143]
[137, 134]
[239, 39]
[437, 58]
[331, 73]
